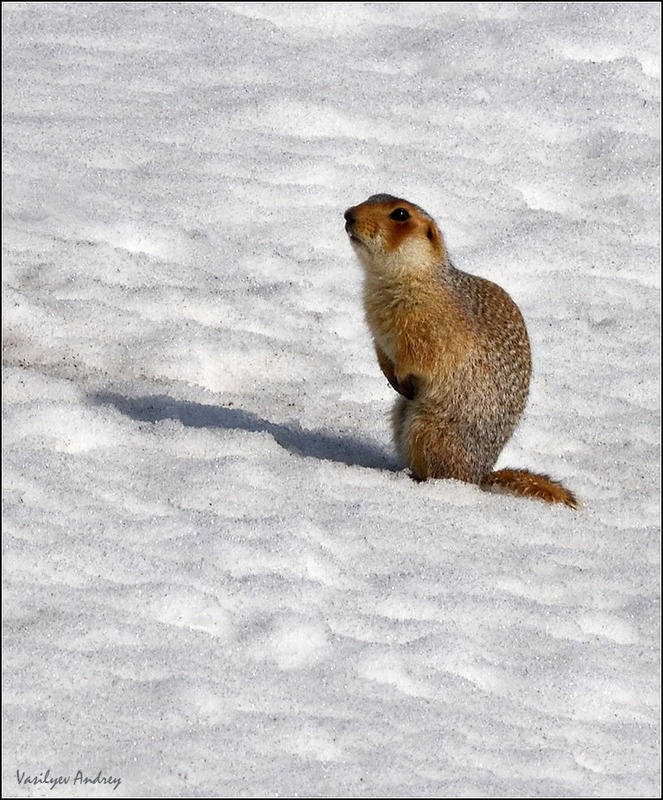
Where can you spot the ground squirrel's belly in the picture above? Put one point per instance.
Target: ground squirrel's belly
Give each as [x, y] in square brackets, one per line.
[416, 330]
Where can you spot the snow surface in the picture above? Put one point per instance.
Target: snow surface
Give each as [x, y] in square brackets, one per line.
[218, 581]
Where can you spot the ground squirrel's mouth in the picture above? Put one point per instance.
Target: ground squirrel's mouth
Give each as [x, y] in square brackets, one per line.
[352, 236]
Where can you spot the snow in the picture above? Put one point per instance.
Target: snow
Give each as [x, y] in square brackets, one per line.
[218, 580]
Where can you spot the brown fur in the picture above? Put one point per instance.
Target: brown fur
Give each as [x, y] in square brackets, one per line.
[453, 345]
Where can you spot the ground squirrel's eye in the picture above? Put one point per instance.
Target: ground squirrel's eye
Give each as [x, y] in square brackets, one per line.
[400, 215]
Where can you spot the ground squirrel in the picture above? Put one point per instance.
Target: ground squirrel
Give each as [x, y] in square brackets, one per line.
[453, 345]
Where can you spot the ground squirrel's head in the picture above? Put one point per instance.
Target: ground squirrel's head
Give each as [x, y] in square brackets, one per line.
[390, 234]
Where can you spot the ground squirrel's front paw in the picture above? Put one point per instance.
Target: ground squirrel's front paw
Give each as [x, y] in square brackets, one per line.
[407, 387]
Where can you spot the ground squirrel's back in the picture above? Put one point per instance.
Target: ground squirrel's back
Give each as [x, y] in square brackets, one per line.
[453, 345]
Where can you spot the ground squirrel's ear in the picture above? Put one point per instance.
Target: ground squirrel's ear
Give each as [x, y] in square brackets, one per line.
[435, 238]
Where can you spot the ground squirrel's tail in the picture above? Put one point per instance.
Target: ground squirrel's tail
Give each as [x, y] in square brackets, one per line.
[529, 484]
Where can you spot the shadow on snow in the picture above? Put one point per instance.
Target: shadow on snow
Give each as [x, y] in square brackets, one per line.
[291, 436]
